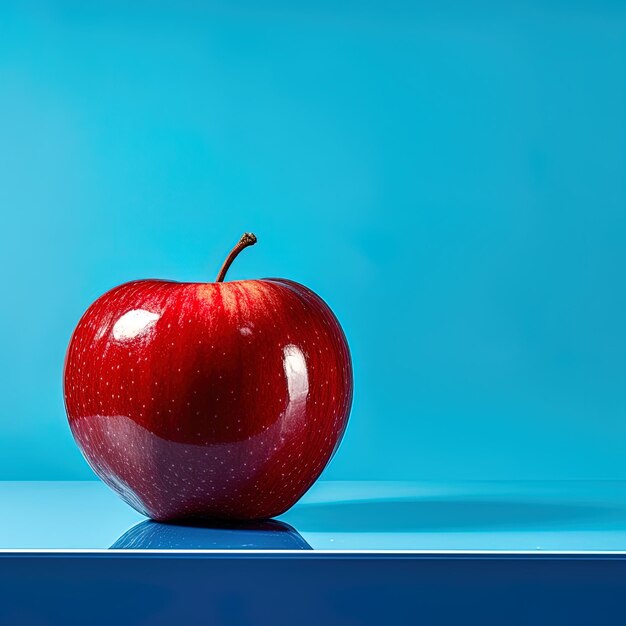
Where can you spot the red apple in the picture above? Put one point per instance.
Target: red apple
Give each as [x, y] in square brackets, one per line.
[218, 400]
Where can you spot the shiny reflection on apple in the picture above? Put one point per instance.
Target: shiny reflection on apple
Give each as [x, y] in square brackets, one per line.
[197, 535]
[134, 324]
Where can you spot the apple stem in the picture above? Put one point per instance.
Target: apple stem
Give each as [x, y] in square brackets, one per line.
[247, 239]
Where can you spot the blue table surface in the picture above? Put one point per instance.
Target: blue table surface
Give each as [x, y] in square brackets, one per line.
[572, 516]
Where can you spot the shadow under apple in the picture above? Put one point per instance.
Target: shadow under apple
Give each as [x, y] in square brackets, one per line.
[199, 535]
[441, 515]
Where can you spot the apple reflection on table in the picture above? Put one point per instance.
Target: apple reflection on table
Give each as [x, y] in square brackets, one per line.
[198, 535]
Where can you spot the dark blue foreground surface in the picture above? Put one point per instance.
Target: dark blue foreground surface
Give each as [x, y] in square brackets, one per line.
[311, 588]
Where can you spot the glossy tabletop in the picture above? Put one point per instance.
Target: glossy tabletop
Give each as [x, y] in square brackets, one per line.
[472, 516]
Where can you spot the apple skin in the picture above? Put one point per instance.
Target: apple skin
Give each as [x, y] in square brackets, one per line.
[219, 400]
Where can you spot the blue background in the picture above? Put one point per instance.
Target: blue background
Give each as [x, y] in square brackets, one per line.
[450, 178]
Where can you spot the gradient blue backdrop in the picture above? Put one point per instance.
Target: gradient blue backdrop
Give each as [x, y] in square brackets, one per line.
[452, 180]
